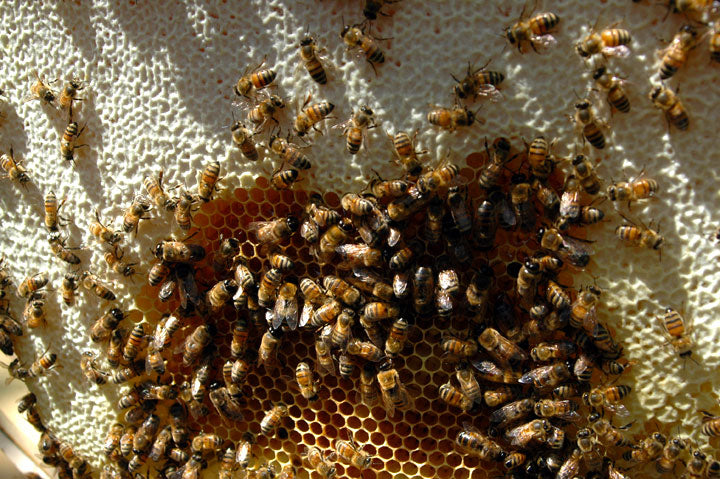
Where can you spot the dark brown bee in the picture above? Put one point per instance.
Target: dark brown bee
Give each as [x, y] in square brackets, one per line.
[257, 79]
[89, 367]
[273, 418]
[179, 252]
[104, 326]
[25, 402]
[35, 314]
[31, 284]
[585, 173]
[613, 85]
[183, 210]
[587, 123]
[472, 441]
[675, 113]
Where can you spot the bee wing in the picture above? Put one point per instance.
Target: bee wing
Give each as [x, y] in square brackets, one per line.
[568, 200]
[576, 252]
[590, 319]
[515, 435]
[545, 41]
[447, 279]
[618, 409]
[529, 376]
[307, 313]
[470, 428]
[286, 310]
[507, 215]
[491, 92]
[388, 403]
[401, 281]
[487, 367]
[394, 237]
[619, 51]
[310, 230]
[261, 229]
[571, 416]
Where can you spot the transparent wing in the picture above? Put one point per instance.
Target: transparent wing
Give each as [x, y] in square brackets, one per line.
[307, 313]
[545, 41]
[619, 51]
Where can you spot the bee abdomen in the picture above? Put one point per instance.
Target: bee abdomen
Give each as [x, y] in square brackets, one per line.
[316, 71]
[594, 136]
[619, 101]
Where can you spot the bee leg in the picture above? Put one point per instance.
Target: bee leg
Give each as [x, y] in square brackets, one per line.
[373, 67]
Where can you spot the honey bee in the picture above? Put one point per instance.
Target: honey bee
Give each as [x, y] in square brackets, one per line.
[304, 378]
[641, 236]
[365, 350]
[501, 395]
[368, 392]
[454, 397]
[372, 283]
[14, 169]
[355, 255]
[89, 367]
[183, 206]
[312, 292]
[40, 90]
[257, 79]
[242, 137]
[135, 343]
[221, 294]
[177, 417]
[713, 469]
[286, 307]
[341, 330]
[613, 85]
[670, 104]
[477, 292]
[652, 447]
[268, 347]
[195, 343]
[670, 455]
[205, 443]
[207, 183]
[226, 406]
[675, 55]
[534, 30]
[112, 440]
[545, 377]
[393, 392]
[273, 418]
[52, 218]
[606, 432]
[564, 409]
[528, 277]
[535, 431]
[423, 288]
[191, 469]
[25, 402]
[608, 42]
[114, 350]
[356, 128]
[679, 333]
[406, 154]
[608, 397]
[32, 284]
[265, 111]
[343, 291]
[588, 124]
[154, 187]
[145, 434]
[572, 250]
[388, 188]
[289, 153]
[500, 348]
[635, 189]
[514, 460]
[554, 350]
[104, 326]
[480, 82]
[355, 37]
[310, 115]
[458, 348]
[310, 58]
[42, 365]
[154, 361]
[227, 464]
[269, 284]
[319, 462]
[583, 313]
[403, 207]
[397, 337]
[473, 442]
[126, 440]
[114, 260]
[585, 174]
[275, 231]
[134, 213]
[352, 454]
[35, 314]
[377, 311]
[243, 453]
[69, 92]
[324, 360]
[452, 118]
[57, 246]
[510, 413]
[103, 233]
[68, 142]
[178, 252]
[160, 444]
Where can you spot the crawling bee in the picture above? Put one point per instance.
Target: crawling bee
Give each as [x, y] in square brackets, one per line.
[311, 115]
[679, 332]
[289, 153]
[265, 111]
[356, 128]
[546, 376]
[257, 79]
[69, 93]
[583, 312]
[572, 250]
[650, 449]
[471, 441]
[207, 183]
[642, 236]
[349, 452]
[242, 137]
[93, 283]
[304, 378]
[52, 209]
[533, 432]
[670, 455]
[635, 189]
[319, 462]
[451, 118]
[225, 404]
[588, 124]
[454, 397]
[396, 338]
[405, 153]
[35, 313]
[274, 231]
[586, 175]
[273, 418]
[134, 213]
[609, 42]
[40, 90]
[284, 179]
[105, 324]
[178, 252]
[42, 365]
[114, 260]
[183, 210]
[92, 372]
[310, 58]
[555, 350]
[394, 394]
[103, 233]
[31, 284]
[58, 248]
[286, 307]
[68, 142]
[493, 169]
[675, 55]
[14, 169]
[613, 85]
[355, 37]
[535, 30]
[675, 113]
[154, 187]
[195, 343]
[500, 348]
[608, 397]
[267, 352]
[480, 82]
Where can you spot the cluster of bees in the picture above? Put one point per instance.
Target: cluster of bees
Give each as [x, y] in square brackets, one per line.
[408, 252]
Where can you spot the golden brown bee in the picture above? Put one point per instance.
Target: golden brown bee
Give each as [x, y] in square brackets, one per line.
[207, 183]
[501, 395]
[289, 153]
[675, 55]
[154, 362]
[286, 307]
[574, 251]
[135, 342]
[114, 260]
[588, 124]
[104, 326]
[355, 37]
[609, 42]
[394, 394]
[636, 189]
[352, 454]
[608, 397]
[554, 350]
[112, 440]
[25, 402]
[68, 142]
[195, 343]
[642, 236]
[178, 252]
[324, 360]
[514, 460]
[324, 315]
[14, 169]
[35, 314]
[378, 311]
[500, 348]
[273, 418]
[304, 378]
[355, 128]
[275, 231]
[652, 447]
[442, 176]
[225, 404]
[675, 113]
[546, 376]
[613, 85]
[242, 137]
[534, 30]
[225, 255]
[191, 469]
[257, 79]
[160, 444]
[406, 155]
[269, 284]
[51, 212]
[397, 337]
[40, 90]
[388, 188]
[310, 57]
[42, 364]
[114, 350]
[134, 213]
[319, 462]
[423, 288]
[158, 273]
[583, 312]
[480, 82]
[341, 330]
[268, 347]
[451, 118]
[126, 440]
[265, 111]
[510, 413]
[102, 232]
[679, 332]
[606, 432]
[31, 284]
[243, 453]
[710, 424]
[284, 179]
[89, 367]
[585, 173]
[221, 294]
[154, 188]
[145, 434]
[564, 409]
[670, 455]
[33, 417]
[472, 441]
[343, 291]
[535, 431]
[205, 443]
[312, 292]
[356, 205]
[459, 348]
[69, 92]
[365, 350]
[311, 115]
[183, 210]
[454, 397]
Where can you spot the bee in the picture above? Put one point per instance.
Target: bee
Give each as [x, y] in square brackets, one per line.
[324, 360]
[341, 330]
[372, 283]
[225, 255]
[69, 92]
[393, 392]
[636, 189]
[355, 255]
[289, 153]
[243, 453]
[89, 367]
[478, 290]
[32, 284]
[102, 232]
[458, 210]
[480, 82]
[642, 236]
[126, 440]
[713, 469]
[134, 213]
[40, 90]
[492, 170]
[286, 307]
[609, 42]
[221, 294]
[310, 57]
[273, 418]
[310, 115]
[510, 413]
[207, 183]
[349, 452]
[388, 188]
[557, 296]
[343, 291]
[112, 440]
[405, 153]
[104, 326]
[365, 350]
[304, 378]
[33, 417]
[564, 409]
[205, 443]
[269, 284]
[608, 397]
[583, 312]
[586, 122]
[57, 246]
[670, 455]
[527, 280]
[585, 174]
[190, 469]
[268, 346]
[145, 434]
[534, 30]
[183, 210]
[275, 231]
[368, 392]
[397, 337]
[675, 55]
[68, 141]
[68, 287]
[696, 468]
[667, 100]
[178, 252]
[679, 333]
[554, 350]
[532, 432]
[25, 402]
[154, 362]
[177, 417]
[613, 85]
[501, 395]
[454, 397]
[423, 288]
[42, 365]
[227, 464]
[590, 215]
[257, 79]
[242, 137]
[545, 377]
[114, 260]
[355, 37]
[473, 442]
[652, 447]
[226, 406]
[195, 343]
[500, 348]
[14, 169]
[571, 250]
[451, 118]
[154, 187]
[606, 432]
[264, 111]
[52, 211]
[319, 462]
[458, 348]
[312, 292]
[161, 443]
[76, 463]
[115, 346]
[135, 343]
[35, 314]
[355, 128]
[514, 460]
[401, 208]
[377, 311]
